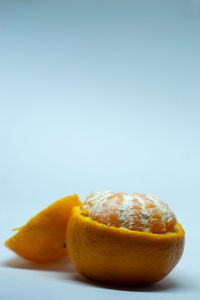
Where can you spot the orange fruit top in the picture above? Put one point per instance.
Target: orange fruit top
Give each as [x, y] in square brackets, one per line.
[135, 211]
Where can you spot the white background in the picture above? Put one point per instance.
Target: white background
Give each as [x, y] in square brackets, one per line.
[98, 95]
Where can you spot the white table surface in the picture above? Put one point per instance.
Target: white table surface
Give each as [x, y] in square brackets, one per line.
[98, 95]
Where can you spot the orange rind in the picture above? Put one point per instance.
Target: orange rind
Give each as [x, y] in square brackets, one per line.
[42, 239]
[121, 256]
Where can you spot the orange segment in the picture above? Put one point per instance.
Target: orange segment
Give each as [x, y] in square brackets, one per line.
[42, 239]
[131, 211]
[118, 255]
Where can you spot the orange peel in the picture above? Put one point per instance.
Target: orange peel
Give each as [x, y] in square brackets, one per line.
[118, 255]
[42, 239]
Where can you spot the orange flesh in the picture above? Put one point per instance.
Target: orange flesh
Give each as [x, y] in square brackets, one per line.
[135, 212]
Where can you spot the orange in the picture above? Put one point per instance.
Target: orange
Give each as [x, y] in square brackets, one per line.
[42, 239]
[120, 254]
[132, 211]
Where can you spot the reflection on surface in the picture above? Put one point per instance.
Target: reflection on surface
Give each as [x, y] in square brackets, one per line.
[20, 263]
[66, 272]
[166, 284]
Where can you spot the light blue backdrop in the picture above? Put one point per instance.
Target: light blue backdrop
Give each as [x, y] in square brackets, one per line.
[99, 95]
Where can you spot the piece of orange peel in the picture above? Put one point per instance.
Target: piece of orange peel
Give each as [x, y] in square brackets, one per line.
[42, 239]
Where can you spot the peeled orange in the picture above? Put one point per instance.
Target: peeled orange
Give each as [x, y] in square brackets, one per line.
[42, 239]
[124, 239]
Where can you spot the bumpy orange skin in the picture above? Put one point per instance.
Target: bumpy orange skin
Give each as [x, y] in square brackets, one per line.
[42, 239]
[121, 256]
